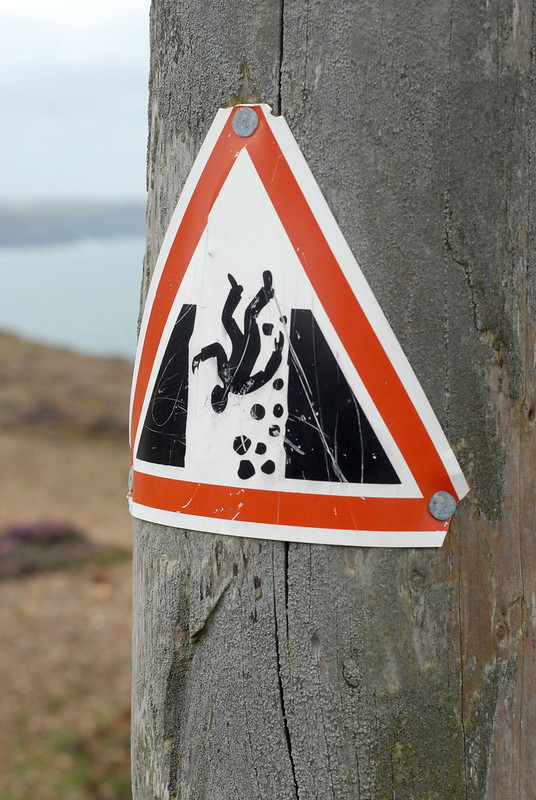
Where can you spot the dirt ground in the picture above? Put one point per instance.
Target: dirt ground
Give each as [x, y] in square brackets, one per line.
[65, 634]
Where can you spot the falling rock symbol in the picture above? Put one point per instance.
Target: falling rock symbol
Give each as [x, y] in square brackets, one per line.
[257, 303]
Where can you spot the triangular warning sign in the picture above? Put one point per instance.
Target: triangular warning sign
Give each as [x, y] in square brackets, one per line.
[270, 396]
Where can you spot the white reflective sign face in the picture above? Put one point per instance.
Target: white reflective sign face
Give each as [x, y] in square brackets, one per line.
[270, 396]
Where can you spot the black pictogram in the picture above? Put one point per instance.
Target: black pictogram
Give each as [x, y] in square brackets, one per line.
[235, 370]
[328, 436]
[241, 445]
[163, 437]
[246, 470]
[257, 411]
[322, 430]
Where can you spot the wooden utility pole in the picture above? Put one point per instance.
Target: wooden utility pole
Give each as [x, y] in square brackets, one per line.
[272, 670]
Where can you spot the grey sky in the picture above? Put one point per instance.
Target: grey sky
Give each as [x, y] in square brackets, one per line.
[73, 83]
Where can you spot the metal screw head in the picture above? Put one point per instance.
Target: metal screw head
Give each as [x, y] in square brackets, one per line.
[442, 505]
[245, 121]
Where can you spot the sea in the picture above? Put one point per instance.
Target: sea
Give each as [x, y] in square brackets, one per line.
[82, 296]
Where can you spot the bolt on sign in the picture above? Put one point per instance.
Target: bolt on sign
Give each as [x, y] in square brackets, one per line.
[270, 396]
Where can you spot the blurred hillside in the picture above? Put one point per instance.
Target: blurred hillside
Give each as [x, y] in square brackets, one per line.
[45, 390]
[44, 223]
[65, 575]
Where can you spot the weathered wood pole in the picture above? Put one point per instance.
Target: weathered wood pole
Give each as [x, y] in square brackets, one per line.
[273, 670]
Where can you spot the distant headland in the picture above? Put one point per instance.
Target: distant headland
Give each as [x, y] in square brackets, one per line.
[39, 223]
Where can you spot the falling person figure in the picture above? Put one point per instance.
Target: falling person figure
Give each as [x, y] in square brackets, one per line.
[235, 371]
